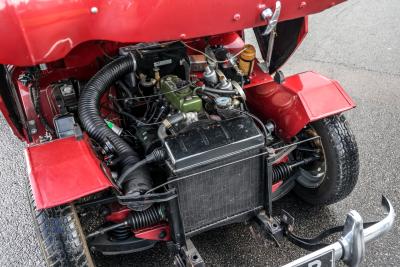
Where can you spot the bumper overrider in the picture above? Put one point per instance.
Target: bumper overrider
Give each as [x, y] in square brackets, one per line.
[350, 248]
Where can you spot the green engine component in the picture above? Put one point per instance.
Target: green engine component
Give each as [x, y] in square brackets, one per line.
[180, 94]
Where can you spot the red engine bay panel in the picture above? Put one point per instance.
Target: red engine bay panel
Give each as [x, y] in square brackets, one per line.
[299, 100]
[64, 170]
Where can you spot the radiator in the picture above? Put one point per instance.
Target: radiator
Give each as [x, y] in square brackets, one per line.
[221, 186]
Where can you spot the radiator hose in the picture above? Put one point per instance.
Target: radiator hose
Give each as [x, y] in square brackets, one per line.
[89, 114]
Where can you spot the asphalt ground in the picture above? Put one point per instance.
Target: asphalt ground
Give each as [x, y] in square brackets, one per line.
[356, 43]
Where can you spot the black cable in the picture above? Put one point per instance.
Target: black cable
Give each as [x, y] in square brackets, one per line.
[138, 122]
[156, 155]
[125, 89]
[150, 96]
[121, 111]
[34, 91]
[153, 113]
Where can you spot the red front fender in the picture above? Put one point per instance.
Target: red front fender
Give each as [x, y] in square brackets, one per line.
[64, 170]
[299, 100]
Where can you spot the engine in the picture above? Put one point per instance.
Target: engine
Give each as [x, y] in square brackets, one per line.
[171, 116]
[183, 117]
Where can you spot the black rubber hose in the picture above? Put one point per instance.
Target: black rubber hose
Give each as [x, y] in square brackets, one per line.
[218, 91]
[124, 175]
[167, 124]
[157, 154]
[96, 127]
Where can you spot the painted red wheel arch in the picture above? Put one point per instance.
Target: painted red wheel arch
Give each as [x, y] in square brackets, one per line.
[299, 100]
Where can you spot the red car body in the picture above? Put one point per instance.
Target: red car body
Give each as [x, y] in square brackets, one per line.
[35, 32]
[72, 34]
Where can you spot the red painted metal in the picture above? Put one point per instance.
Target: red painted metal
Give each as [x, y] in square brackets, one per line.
[35, 31]
[64, 170]
[276, 186]
[119, 215]
[160, 232]
[48, 104]
[299, 100]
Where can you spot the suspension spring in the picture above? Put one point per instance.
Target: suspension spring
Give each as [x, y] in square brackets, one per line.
[121, 233]
[281, 171]
[136, 220]
[284, 170]
[146, 218]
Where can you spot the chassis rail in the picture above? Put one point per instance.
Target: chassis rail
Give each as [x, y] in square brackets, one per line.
[350, 248]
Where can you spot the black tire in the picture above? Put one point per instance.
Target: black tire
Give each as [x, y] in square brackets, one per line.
[341, 163]
[60, 235]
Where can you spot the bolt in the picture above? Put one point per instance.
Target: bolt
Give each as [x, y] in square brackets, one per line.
[67, 89]
[43, 66]
[236, 17]
[262, 6]
[94, 10]
[162, 234]
[32, 126]
[303, 4]
[195, 257]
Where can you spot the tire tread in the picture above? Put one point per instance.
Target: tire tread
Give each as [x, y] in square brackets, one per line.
[340, 141]
[59, 235]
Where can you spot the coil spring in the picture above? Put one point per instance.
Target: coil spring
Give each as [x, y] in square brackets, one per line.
[146, 218]
[121, 233]
[281, 171]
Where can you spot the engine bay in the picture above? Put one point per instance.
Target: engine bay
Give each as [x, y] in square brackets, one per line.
[170, 127]
[167, 103]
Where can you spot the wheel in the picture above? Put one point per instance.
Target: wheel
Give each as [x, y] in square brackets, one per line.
[60, 235]
[334, 176]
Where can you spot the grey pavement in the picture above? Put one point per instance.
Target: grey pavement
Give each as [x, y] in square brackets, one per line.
[356, 43]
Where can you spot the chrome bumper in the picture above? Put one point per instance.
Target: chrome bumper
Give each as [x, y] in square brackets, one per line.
[350, 248]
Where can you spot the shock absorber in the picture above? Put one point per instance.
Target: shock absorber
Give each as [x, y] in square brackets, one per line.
[285, 170]
[134, 221]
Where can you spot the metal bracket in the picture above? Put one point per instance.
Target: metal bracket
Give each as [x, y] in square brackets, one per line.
[189, 256]
[271, 226]
[271, 17]
[272, 20]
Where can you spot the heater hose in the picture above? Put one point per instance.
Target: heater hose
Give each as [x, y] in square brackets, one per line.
[94, 124]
